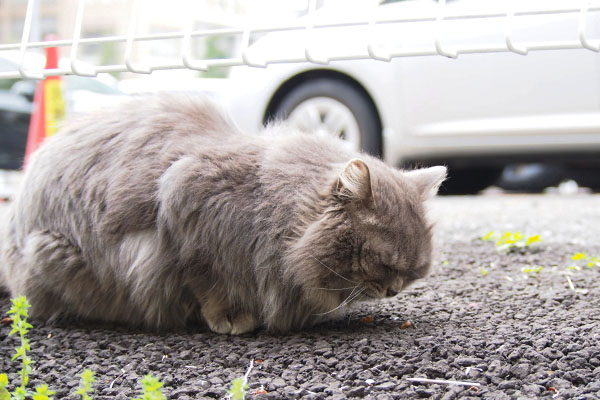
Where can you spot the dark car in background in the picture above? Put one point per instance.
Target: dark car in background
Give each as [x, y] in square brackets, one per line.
[16, 104]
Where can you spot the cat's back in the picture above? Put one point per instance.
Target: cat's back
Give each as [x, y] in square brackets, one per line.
[105, 165]
[140, 125]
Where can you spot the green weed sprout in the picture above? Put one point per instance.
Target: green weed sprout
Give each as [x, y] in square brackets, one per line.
[238, 389]
[591, 261]
[239, 386]
[4, 394]
[532, 270]
[510, 241]
[85, 387]
[151, 389]
[18, 312]
[151, 386]
[42, 393]
[483, 271]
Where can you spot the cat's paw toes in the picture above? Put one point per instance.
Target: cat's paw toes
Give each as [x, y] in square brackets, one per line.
[222, 326]
[243, 323]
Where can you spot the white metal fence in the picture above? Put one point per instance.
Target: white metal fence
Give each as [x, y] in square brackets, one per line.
[437, 14]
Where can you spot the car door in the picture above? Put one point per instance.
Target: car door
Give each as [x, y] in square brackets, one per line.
[499, 101]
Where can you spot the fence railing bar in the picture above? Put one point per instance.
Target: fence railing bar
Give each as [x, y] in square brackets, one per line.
[309, 36]
[508, 34]
[231, 62]
[76, 66]
[292, 26]
[31, 4]
[442, 51]
[440, 15]
[374, 52]
[245, 46]
[186, 48]
[581, 29]
[131, 67]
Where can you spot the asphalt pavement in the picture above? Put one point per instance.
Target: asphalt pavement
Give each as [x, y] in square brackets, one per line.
[489, 323]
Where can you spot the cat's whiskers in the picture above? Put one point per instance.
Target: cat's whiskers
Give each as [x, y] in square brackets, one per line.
[341, 276]
[324, 288]
[352, 296]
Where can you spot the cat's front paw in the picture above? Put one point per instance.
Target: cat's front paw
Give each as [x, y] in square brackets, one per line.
[220, 325]
[244, 323]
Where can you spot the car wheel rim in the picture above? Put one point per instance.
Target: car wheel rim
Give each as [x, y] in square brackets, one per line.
[329, 117]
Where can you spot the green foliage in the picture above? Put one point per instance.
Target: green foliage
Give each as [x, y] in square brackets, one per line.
[588, 261]
[20, 393]
[151, 386]
[4, 394]
[151, 389]
[511, 241]
[237, 390]
[532, 270]
[483, 271]
[42, 393]
[85, 387]
[19, 314]
[491, 235]
[239, 386]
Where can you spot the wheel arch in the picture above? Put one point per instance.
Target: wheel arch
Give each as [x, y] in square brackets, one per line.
[295, 81]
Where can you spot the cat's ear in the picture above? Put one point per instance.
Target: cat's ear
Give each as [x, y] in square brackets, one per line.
[427, 180]
[354, 183]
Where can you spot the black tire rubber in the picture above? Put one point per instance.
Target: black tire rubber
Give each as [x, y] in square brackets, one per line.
[587, 177]
[363, 109]
[532, 178]
[469, 181]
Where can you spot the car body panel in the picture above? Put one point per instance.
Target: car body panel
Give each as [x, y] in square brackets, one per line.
[495, 103]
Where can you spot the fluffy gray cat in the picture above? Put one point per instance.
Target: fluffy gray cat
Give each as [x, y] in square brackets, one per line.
[159, 213]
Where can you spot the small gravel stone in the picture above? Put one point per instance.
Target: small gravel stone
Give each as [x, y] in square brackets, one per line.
[278, 383]
[356, 392]
[386, 386]
[467, 361]
[520, 370]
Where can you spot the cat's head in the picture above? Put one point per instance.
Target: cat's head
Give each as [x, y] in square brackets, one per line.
[373, 239]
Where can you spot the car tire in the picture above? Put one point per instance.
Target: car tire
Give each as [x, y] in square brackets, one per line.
[531, 178]
[469, 181]
[327, 95]
[587, 177]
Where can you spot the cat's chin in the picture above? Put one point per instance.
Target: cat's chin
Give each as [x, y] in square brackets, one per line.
[369, 297]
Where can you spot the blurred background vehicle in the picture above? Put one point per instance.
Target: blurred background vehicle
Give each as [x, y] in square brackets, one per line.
[504, 93]
[487, 116]
[16, 101]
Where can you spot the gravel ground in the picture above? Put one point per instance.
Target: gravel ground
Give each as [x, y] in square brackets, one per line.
[478, 318]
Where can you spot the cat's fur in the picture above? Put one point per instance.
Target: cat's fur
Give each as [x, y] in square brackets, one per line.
[159, 212]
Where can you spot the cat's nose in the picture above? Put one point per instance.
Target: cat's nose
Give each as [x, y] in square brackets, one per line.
[391, 292]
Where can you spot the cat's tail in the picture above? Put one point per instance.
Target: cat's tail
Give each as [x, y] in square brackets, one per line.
[8, 250]
[4, 268]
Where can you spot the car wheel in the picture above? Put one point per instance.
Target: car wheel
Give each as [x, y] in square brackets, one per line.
[469, 181]
[530, 177]
[587, 177]
[333, 107]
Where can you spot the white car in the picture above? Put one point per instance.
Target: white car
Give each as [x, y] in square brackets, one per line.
[476, 112]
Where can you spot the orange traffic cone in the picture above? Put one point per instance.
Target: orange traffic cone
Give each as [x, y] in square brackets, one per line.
[48, 107]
